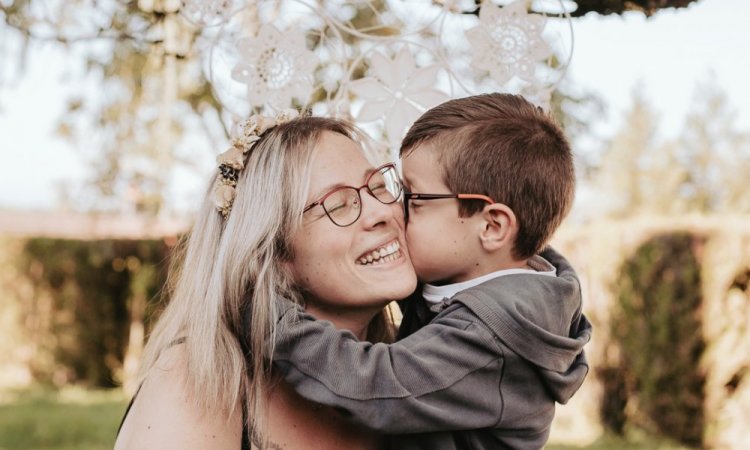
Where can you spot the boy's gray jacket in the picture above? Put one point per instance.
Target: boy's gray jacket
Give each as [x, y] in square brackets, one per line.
[485, 373]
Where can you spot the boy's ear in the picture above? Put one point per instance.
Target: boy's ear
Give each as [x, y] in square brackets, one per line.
[500, 227]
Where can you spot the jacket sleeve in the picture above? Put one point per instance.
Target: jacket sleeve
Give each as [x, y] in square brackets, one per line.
[446, 376]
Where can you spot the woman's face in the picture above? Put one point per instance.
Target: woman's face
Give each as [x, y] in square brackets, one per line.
[331, 262]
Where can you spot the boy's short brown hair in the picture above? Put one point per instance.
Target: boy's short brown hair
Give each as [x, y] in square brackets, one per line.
[502, 146]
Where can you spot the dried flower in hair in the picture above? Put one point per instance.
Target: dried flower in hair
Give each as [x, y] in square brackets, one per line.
[249, 142]
[257, 125]
[234, 157]
[224, 197]
[233, 160]
[286, 115]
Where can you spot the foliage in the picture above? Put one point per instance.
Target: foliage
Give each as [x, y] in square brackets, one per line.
[647, 7]
[138, 127]
[606, 7]
[656, 325]
[615, 398]
[78, 318]
[625, 173]
[714, 154]
[704, 170]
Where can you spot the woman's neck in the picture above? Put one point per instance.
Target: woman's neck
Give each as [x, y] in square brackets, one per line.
[356, 321]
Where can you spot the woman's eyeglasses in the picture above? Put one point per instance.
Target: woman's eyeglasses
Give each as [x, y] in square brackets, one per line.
[343, 205]
[418, 196]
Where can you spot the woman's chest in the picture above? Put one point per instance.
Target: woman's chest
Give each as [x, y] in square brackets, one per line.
[295, 423]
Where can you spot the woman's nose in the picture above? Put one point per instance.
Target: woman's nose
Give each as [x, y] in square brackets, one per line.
[374, 212]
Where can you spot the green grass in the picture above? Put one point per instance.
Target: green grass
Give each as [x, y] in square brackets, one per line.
[633, 440]
[60, 420]
[76, 419]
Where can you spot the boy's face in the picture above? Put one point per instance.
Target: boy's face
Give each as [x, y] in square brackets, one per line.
[444, 247]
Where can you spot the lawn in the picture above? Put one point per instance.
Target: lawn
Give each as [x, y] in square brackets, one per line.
[60, 420]
[634, 441]
[76, 419]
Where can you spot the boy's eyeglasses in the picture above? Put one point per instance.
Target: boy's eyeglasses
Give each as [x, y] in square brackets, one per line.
[343, 205]
[418, 196]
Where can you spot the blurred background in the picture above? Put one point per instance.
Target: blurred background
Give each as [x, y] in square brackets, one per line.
[112, 112]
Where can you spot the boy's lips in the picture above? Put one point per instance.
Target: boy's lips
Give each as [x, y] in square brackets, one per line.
[384, 253]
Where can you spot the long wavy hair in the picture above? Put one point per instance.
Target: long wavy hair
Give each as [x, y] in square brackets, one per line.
[227, 274]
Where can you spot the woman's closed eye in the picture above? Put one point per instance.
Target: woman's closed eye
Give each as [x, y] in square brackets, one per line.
[378, 188]
[337, 206]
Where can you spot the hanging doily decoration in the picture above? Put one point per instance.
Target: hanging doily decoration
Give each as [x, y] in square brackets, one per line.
[380, 62]
[276, 68]
[508, 42]
[398, 92]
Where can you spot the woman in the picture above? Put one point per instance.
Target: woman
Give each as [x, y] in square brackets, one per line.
[301, 214]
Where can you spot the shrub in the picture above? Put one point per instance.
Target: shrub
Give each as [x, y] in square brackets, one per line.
[656, 323]
[79, 314]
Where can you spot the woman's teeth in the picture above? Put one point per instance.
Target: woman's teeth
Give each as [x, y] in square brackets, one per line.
[382, 255]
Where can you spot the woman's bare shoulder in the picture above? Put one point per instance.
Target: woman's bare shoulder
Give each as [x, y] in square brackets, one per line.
[163, 415]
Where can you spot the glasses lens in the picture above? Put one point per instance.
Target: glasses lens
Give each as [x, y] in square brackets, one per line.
[385, 185]
[343, 206]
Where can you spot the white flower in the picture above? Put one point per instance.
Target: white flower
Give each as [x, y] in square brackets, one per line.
[399, 92]
[257, 125]
[276, 67]
[508, 41]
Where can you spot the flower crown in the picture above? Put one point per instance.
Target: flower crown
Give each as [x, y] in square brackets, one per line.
[232, 161]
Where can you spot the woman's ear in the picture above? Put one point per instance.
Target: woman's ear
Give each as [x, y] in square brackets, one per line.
[500, 227]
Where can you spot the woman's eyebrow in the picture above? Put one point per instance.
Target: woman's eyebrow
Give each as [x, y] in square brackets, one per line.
[323, 191]
[367, 172]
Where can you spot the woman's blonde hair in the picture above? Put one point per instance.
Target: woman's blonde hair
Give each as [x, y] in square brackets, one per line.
[230, 271]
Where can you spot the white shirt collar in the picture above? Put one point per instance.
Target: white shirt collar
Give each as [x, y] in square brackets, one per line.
[436, 294]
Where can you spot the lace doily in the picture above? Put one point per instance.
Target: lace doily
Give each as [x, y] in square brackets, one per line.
[508, 42]
[381, 63]
[276, 68]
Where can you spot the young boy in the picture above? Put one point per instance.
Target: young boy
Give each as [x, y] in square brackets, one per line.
[498, 336]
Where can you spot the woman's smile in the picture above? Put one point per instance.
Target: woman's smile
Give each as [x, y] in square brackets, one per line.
[381, 254]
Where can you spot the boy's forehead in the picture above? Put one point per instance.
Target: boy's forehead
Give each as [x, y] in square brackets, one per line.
[421, 168]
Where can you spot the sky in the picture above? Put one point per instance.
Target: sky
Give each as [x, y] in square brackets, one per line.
[667, 55]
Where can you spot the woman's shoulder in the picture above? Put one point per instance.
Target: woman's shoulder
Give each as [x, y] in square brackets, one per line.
[164, 415]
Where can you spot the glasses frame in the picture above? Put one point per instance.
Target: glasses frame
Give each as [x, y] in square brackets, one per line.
[420, 196]
[358, 190]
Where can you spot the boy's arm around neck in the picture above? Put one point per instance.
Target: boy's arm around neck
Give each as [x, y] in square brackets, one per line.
[444, 377]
